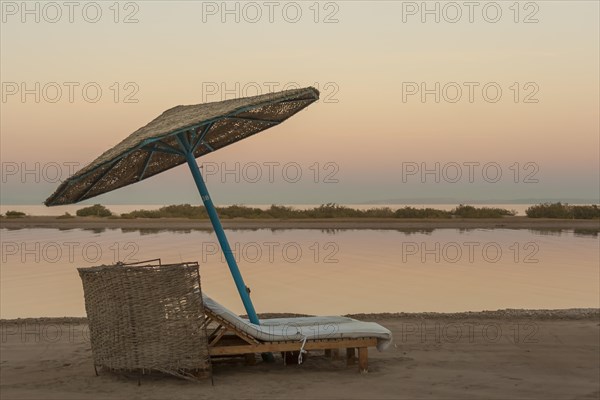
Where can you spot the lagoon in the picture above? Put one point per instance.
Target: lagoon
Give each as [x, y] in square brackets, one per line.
[319, 271]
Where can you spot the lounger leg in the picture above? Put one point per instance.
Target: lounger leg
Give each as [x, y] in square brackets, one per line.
[350, 356]
[363, 360]
[250, 359]
[335, 354]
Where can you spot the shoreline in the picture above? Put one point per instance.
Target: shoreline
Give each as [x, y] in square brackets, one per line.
[50, 222]
[504, 314]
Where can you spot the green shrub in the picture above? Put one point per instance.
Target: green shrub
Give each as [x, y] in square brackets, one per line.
[97, 210]
[14, 214]
[411, 212]
[173, 211]
[332, 210]
[465, 211]
[586, 212]
[381, 212]
[547, 210]
[237, 211]
[565, 211]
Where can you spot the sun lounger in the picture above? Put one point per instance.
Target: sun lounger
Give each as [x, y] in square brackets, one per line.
[237, 336]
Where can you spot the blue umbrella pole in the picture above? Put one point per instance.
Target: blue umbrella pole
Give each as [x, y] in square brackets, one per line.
[216, 223]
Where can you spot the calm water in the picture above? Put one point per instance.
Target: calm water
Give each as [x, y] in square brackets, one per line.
[319, 272]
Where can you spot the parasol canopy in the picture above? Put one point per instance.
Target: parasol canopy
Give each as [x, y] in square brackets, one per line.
[181, 131]
[178, 136]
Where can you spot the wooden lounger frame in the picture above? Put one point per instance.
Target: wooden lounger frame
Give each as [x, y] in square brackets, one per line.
[226, 339]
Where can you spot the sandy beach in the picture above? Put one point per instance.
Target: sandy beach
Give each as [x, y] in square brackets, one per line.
[515, 354]
[331, 223]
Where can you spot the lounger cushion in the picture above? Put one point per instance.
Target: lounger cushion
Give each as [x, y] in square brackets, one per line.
[284, 329]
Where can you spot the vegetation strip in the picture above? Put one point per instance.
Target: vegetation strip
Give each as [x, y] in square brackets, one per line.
[332, 210]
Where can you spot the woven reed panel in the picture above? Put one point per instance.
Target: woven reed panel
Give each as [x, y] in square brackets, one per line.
[147, 318]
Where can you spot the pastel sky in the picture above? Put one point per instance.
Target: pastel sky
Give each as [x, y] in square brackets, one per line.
[366, 135]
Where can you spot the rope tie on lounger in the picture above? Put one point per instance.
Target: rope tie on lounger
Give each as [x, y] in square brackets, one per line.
[302, 350]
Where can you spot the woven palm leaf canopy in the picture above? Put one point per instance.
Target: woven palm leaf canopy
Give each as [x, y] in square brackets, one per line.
[178, 136]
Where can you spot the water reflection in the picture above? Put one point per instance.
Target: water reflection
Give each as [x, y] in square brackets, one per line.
[319, 271]
[580, 232]
[549, 232]
[586, 232]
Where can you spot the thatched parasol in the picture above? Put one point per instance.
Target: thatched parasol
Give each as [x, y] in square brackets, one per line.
[178, 136]
[155, 148]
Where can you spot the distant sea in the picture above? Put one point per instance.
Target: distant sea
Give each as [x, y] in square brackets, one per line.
[41, 210]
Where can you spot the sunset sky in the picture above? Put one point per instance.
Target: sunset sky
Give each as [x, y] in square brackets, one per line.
[365, 136]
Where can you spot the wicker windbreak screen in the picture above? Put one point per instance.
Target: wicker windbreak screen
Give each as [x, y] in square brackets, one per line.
[155, 148]
[148, 318]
